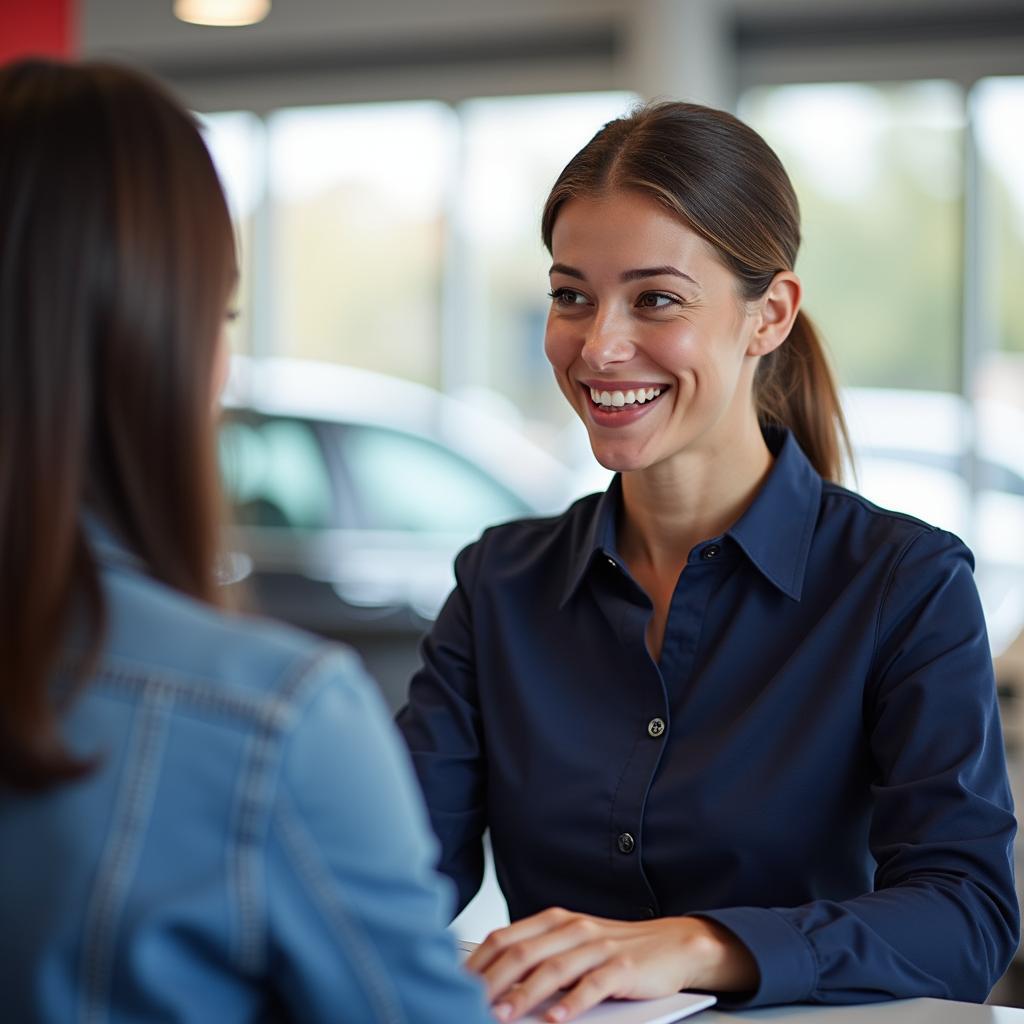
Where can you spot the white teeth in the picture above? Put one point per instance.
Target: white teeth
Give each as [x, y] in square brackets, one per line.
[618, 399]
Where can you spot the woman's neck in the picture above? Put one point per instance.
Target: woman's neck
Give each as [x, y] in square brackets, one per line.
[671, 507]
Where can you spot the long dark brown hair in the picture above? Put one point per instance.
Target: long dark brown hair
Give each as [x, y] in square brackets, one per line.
[116, 262]
[726, 183]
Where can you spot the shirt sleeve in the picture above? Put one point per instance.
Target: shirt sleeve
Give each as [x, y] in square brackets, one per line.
[356, 912]
[441, 725]
[942, 920]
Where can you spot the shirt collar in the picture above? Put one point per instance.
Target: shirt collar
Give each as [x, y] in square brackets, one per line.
[597, 537]
[774, 533]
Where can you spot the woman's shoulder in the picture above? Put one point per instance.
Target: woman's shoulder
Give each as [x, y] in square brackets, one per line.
[230, 665]
[849, 514]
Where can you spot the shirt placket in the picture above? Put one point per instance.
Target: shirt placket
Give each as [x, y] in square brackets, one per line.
[654, 686]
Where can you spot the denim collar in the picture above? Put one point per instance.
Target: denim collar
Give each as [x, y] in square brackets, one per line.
[774, 533]
[106, 544]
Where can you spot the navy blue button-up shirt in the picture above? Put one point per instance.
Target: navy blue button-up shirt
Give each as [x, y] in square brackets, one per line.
[815, 761]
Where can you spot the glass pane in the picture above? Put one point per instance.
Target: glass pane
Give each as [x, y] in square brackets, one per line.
[514, 149]
[878, 170]
[358, 233]
[403, 482]
[274, 472]
[998, 113]
[997, 108]
[236, 141]
[911, 446]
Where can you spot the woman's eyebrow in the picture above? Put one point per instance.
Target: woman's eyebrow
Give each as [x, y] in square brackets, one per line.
[627, 275]
[562, 268]
[642, 272]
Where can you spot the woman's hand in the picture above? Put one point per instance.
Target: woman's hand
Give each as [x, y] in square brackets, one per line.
[596, 958]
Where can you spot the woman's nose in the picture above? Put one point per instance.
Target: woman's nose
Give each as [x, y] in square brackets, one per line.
[607, 342]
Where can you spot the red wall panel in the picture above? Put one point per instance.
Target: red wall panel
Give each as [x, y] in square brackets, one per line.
[37, 28]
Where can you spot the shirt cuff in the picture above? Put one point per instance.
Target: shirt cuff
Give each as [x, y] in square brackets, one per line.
[783, 955]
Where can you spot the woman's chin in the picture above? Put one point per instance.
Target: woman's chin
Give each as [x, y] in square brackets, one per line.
[617, 459]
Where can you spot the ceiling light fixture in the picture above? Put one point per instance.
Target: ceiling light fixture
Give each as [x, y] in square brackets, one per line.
[221, 12]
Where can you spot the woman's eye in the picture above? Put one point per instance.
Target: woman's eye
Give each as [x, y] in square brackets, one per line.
[656, 300]
[567, 297]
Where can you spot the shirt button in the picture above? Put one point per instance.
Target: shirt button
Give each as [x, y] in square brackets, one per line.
[626, 843]
[655, 727]
[710, 552]
[612, 562]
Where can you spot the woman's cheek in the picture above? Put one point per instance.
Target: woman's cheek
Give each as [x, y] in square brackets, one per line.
[556, 349]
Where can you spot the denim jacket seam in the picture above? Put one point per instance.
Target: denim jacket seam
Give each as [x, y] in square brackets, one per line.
[120, 854]
[273, 710]
[358, 949]
[247, 866]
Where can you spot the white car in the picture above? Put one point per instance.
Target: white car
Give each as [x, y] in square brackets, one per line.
[352, 492]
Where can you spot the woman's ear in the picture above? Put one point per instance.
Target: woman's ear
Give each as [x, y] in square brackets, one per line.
[776, 311]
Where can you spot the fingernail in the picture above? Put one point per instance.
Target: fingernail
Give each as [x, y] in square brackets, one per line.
[503, 1011]
[557, 1013]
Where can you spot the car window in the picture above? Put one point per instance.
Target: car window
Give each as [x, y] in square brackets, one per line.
[274, 472]
[404, 482]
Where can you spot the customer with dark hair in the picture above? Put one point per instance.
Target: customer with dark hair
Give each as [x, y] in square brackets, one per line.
[731, 726]
[202, 818]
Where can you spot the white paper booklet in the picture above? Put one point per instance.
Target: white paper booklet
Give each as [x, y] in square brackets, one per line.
[643, 1011]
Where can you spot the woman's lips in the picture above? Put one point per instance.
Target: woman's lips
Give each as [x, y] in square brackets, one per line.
[623, 404]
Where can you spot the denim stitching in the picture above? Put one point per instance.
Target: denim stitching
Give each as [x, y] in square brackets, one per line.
[273, 710]
[356, 946]
[247, 866]
[121, 852]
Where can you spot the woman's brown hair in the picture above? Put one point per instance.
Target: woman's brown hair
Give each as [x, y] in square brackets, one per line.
[116, 262]
[724, 181]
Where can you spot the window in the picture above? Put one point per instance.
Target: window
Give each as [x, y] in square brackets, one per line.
[357, 199]
[236, 142]
[878, 170]
[274, 472]
[997, 106]
[405, 238]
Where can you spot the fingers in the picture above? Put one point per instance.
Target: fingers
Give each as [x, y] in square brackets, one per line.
[517, 961]
[609, 979]
[499, 941]
[561, 971]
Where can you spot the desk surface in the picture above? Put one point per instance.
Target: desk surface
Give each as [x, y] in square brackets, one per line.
[904, 1011]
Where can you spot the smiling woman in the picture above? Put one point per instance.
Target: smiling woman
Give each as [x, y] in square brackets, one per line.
[731, 726]
[681, 334]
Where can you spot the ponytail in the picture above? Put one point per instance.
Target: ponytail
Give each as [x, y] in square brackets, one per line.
[794, 388]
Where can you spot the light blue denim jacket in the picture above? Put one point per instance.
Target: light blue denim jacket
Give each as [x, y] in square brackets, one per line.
[251, 847]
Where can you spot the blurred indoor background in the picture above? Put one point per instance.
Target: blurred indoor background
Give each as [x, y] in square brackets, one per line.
[387, 160]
